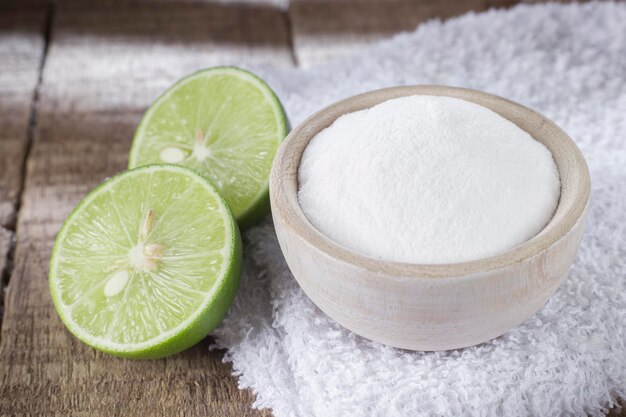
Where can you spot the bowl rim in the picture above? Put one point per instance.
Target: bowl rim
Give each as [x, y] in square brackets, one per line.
[286, 207]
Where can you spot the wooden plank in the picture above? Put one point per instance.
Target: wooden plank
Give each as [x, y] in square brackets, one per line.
[327, 29]
[128, 52]
[107, 61]
[21, 49]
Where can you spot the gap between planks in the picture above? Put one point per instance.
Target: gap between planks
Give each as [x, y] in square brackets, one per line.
[8, 233]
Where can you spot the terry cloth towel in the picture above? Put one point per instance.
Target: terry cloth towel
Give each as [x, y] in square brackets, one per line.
[568, 62]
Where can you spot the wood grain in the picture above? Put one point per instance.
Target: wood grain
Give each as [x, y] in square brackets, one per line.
[128, 52]
[107, 61]
[21, 49]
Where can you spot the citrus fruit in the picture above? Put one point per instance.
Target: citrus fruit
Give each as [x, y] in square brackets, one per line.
[147, 264]
[224, 123]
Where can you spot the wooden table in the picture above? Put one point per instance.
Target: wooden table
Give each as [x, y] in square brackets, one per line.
[75, 77]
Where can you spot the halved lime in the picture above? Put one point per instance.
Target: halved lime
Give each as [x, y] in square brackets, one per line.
[224, 123]
[147, 264]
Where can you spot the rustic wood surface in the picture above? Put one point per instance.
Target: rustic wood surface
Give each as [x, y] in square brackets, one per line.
[75, 77]
[104, 63]
[21, 50]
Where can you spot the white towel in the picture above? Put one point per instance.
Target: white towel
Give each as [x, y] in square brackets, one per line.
[568, 62]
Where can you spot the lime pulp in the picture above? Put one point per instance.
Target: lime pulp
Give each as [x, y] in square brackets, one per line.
[226, 124]
[147, 264]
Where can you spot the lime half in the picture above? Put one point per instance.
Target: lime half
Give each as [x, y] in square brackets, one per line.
[224, 123]
[147, 264]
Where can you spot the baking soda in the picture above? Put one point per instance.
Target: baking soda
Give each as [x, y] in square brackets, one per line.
[428, 180]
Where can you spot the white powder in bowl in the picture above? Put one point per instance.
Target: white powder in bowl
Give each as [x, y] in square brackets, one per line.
[428, 180]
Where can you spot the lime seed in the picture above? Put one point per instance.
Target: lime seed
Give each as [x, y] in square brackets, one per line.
[116, 283]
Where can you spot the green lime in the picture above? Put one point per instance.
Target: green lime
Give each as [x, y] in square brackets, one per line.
[224, 123]
[147, 264]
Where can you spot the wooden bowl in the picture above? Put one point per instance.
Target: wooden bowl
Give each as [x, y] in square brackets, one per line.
[430, 307]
